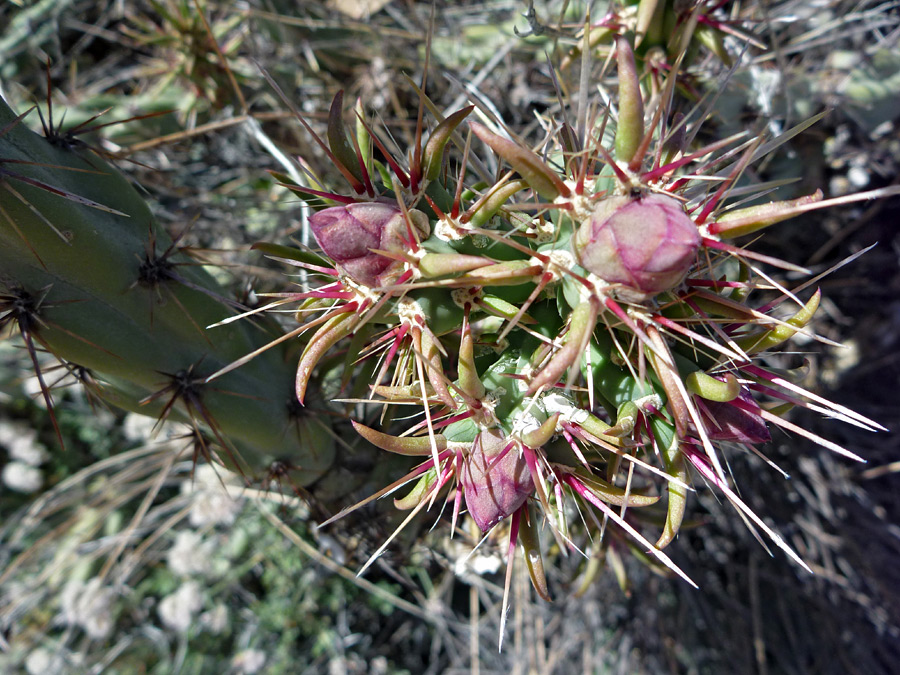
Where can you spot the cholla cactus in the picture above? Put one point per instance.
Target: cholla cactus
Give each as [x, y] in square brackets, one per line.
[575, 334]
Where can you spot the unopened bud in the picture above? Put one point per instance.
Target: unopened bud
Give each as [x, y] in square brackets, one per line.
[494, 489]
[349, 235]
[737, 420]
[646, 244]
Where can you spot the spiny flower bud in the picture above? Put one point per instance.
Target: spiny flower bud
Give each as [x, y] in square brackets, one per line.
[646, 244]
[494, 489]
[349, 234]
[737, 420]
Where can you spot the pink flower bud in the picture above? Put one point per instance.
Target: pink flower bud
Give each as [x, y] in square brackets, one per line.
[737, 420]
[494, 488]
[349, 234]
[646, 244]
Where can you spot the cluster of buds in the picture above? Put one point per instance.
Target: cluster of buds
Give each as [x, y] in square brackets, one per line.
[582, 333]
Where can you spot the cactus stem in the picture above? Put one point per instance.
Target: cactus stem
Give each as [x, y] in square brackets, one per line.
[278, 473]
[18, 231]
[156, 270]
[71, 196]
[186, 388]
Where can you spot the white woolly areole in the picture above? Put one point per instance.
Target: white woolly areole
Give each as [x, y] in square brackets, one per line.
[581, 206]
[544, 231]
[488, 419]
[463, 296]
[522, 383]
[634, 179]
[525, 422]
[409, 311]
[560, 262]
[449, 230]
[651, 401]
[361, 293]
[555, 402]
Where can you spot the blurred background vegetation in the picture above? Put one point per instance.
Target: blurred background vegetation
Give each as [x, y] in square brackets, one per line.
[116, 557]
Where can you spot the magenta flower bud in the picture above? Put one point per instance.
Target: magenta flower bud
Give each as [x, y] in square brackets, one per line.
[646, 244]
[349, 234]
[737, 420]
[494, 488]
